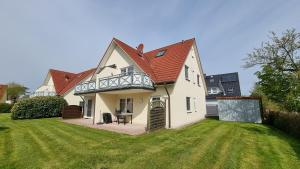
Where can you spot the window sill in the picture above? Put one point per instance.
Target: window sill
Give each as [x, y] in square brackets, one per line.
[189, 111]
[188, 80]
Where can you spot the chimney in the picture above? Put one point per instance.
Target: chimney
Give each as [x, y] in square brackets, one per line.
[140, 49]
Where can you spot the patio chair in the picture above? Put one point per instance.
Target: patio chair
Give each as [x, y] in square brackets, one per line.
[118, 112]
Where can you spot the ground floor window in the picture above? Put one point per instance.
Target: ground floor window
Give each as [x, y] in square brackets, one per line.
[188, 104]
[126, 105]
[156, 98]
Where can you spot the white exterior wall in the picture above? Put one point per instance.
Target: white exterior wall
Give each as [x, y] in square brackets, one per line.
[110, 102]
[48, 85]
[120, 58]
[73, 99]
[182, 89]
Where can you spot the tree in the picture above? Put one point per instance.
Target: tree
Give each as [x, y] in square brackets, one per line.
[279, 77]
[281, 52]
[267, 103]
[15, 90]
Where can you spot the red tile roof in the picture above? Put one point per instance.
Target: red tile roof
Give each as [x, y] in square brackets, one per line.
[79, 77]
[3, 89]
[140, 61]
[161, 69]
[64, 81]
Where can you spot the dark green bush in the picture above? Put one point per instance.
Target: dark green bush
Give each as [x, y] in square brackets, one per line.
[38, 107]
[5, 107]
[288, 122]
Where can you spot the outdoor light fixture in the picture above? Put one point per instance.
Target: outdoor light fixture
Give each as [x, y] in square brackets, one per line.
[114, 66]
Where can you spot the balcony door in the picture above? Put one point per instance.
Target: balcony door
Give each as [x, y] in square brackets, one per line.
[89, 108]
[126, 105]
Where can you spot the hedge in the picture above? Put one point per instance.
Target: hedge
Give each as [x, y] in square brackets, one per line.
[5, 107]
[288, 122]
[38, 107]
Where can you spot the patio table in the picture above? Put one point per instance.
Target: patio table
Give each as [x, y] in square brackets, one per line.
[124, 115]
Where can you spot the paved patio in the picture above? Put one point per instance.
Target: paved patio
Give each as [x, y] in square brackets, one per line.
[131, 129]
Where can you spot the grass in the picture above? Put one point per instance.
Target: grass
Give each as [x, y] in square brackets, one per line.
[50, 143]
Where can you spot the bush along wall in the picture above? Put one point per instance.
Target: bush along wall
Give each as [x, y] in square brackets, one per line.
[288, 122]
[5, 107]
[38, 107]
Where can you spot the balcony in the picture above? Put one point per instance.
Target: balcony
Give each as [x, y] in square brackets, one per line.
[43, 93]
[135, 80]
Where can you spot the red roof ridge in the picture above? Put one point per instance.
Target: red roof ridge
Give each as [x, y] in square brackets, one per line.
[191, 39]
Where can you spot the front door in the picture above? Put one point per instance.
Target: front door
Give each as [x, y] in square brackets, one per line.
[89, 108]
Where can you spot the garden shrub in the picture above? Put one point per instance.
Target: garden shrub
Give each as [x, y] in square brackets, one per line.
[5, 107]
[288, 122]
[38, 107]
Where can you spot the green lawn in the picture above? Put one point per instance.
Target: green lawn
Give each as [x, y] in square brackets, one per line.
[50, 143]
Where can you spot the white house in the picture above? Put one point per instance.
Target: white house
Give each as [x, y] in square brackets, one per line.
[63, 84]
[129, 81]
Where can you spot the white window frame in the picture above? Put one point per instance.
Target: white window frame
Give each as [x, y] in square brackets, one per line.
[186, 73]
[230, 90]
[126, 98]
[213, 90]
[126, 70]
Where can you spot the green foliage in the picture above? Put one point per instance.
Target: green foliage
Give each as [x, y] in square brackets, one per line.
[15, 90]
[5, 107]
[279, 77]
[287, 122]
[38, 107]
[267, 103]
[280, 87]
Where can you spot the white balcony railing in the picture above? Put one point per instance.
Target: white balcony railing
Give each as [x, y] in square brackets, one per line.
[85, 87]
[121, 81]
[43, 93]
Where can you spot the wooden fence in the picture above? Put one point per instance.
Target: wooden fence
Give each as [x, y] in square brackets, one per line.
[72, 111]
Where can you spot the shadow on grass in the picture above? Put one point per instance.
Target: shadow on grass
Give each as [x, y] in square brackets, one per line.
[3, 128]
[272, 131]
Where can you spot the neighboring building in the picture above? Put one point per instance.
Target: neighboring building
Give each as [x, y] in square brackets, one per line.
[127, 80]
[3, 93]
[62, 83]
[220, 85]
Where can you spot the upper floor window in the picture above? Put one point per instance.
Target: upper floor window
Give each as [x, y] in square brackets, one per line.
[127, 70]
[186, 72]
[198, 80]
[160, 53]
[213, 90]
[230, 90]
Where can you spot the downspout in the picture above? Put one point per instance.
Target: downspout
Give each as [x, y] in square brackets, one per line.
[169, 105]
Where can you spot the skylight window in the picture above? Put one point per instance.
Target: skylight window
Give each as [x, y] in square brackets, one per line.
[160, 53]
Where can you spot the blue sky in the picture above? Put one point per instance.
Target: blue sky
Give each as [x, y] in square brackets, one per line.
[72, 35]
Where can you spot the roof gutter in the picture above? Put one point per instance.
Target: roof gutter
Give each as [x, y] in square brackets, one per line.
[165, 83]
